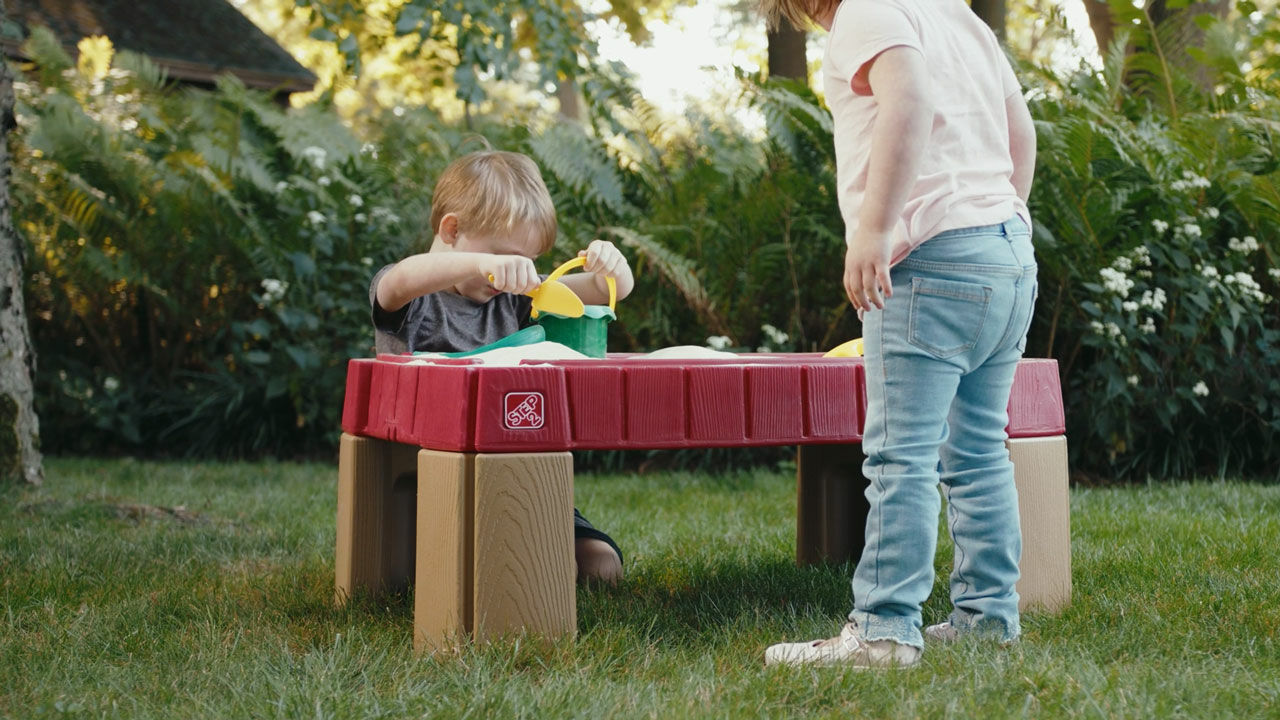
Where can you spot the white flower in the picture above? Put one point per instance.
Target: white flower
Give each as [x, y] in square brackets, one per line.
[1211, 212]
[1115, 281]
[1160, 225]
[776, 336]
[1195, 180]
[1247, 245]
[1148, 326]
[361, 217]
[1274, 273]
[1129, 306]
[324, 181]
[315, 217]
[282, 186]
[1132, 380]
[718, 342]
[1122, 263]
[397, 111]
[369, 149]
[356, 201]
[1113, 330]
[381, 214]
[315, 155]
[1097, 326]
[1201, 389]
[1191, 229]
[1208, 271]
[273, 289]
[1154, 299]
[1142, 255]
[366, 261]
[111, 384]
[128, 124]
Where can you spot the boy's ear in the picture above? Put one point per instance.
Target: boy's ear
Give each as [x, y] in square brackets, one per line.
[449, 228]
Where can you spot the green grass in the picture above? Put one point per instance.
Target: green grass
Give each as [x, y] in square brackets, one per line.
[222, 610]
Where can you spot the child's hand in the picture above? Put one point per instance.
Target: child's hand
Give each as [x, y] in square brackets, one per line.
[866, 271]
[604, 259]
[510, 273]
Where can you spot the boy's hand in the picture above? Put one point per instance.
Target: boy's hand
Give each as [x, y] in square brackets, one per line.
[603, 259]
[866, 271]
[510, 273]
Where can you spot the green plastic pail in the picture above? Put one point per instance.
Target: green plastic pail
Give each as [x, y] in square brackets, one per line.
[588, 334]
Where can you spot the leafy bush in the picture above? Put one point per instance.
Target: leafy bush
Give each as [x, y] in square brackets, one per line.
[1158, 225]
[197, 263]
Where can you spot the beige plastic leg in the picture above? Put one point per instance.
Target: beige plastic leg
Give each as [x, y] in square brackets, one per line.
[524, 567]
[494, 547]
[1040, 472]
[442, 612]
[831, 507]
[375, 516]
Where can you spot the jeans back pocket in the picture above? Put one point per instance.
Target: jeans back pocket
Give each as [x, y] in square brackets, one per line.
[947, 315]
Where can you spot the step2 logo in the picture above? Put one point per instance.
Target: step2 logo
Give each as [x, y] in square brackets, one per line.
[523, 410]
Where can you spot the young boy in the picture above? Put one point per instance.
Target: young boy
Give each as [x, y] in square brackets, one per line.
[491, 216]
[935, 150]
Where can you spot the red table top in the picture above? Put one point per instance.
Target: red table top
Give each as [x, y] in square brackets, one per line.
[634, 402]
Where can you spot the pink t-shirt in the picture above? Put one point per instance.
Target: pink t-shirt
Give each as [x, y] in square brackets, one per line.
[966, 174]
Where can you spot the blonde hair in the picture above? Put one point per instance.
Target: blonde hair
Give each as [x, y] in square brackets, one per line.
[493, 192]
[801, 13]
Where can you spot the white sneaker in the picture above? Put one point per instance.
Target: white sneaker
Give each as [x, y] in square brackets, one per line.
[943, 632]
[844, 649]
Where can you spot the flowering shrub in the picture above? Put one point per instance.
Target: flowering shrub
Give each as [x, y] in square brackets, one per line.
[1159, 282]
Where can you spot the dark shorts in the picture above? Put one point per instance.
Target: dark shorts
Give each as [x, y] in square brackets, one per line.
[582, 528]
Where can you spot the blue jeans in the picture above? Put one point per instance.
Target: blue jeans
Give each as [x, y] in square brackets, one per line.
[940, 359]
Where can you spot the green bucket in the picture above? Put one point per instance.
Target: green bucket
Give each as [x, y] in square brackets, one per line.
[588, 334]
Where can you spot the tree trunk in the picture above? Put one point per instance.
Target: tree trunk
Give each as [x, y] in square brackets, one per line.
[19, 429]
[567, 95]
[1102, 24]
[786, 53]
[1180, 26]
[994, 13]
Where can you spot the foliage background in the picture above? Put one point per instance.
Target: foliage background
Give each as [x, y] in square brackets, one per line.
[200, 260]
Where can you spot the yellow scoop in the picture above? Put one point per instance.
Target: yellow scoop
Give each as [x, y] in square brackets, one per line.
[554, 296]
[853, 348]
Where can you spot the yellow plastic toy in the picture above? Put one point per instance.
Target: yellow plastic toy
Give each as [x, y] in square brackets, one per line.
[853, 348]
[587, 331]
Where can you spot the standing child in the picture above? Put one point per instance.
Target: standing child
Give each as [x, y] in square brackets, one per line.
[935, 151]
[491, 216]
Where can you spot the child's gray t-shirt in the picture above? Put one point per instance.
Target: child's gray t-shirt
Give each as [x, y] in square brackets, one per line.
[445, 321]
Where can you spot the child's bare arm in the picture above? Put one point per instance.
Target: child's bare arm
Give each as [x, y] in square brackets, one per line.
[426, 273]
[904, 117]
[1022, 143]
[603, 260]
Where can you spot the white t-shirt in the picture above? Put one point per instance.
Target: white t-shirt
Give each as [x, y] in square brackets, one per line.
[966, 173]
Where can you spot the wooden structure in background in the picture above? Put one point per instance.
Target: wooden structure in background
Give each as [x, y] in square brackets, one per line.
[193, 40]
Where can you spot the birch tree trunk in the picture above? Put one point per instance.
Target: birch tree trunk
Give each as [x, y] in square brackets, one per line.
[19, 429]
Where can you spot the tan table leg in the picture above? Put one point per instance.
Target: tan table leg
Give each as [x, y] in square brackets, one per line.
[831, 513]
[375, 516]
[1044, 508]
[831, 507]
[495, 547]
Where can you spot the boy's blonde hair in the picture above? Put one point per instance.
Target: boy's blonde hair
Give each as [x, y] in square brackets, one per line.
[800, 12]
[492, 192]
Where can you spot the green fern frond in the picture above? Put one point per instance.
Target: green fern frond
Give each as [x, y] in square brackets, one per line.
[580, 163]
[677, 269]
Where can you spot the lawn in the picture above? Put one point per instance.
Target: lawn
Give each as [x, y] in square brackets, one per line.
[145, 590]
